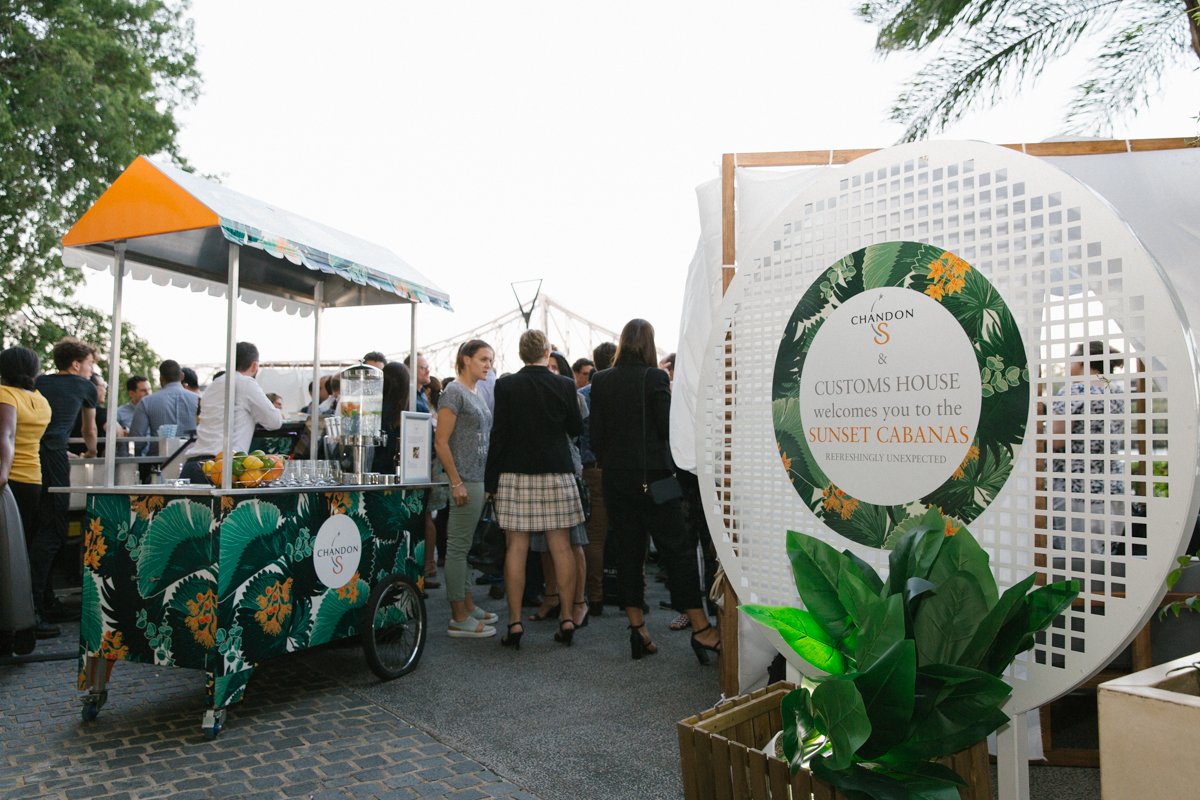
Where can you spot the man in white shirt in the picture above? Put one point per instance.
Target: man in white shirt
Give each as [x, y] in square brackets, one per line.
[251, 408]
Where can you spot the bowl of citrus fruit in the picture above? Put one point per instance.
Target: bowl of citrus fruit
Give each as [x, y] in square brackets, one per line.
[249, 469]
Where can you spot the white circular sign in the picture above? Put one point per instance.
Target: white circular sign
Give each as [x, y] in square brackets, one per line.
[337, 551]
[888, 417]
[1063, 274]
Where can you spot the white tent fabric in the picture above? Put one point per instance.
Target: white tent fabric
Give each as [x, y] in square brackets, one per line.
[1153, 191]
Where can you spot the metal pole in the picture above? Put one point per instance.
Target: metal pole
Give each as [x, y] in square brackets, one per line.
[114, 365]
[314, 413]
[235, 252]
[412, 343]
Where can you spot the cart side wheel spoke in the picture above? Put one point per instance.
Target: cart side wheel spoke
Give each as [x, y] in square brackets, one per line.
[393, 627]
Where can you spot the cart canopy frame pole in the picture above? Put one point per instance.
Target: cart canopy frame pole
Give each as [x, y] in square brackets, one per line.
[412, 360]
[235, 261]
[114, 364]
[314, 411]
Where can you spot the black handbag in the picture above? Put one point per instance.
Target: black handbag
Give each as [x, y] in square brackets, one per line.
[488, 546]
[585, 497]
[663, 490]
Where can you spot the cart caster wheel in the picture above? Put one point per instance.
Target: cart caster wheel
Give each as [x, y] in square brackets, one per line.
[92, 703]
[214, 720]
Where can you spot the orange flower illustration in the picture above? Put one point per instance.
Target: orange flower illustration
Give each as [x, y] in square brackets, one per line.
[350, 590]
[787, 462]
[112, 648]
[837, 501]
[972, 455]
[950, 529]
[339, 502]
[274, 606]
[202, 618]
[947, 275]
[147, 504]
[94, 547]
[227, 504]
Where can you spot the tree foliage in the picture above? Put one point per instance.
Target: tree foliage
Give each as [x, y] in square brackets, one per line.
[987, 47]
[85, 87]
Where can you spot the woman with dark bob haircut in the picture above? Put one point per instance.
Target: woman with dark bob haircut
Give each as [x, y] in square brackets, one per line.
[630, 421]
[24, 415]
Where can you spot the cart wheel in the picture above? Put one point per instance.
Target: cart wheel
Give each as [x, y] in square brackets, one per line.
[92, 703]
[393, 627]
[213, 721]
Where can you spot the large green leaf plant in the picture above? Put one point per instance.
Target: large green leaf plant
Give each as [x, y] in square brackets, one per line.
[913, 662]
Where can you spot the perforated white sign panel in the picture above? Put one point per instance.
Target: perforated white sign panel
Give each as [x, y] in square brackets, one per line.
[1107, 496]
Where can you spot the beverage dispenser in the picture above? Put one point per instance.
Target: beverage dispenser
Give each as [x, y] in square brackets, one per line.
[360, 417]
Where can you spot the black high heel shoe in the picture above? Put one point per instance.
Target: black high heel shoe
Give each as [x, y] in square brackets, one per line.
[539, 616]
[565, 635]
[702, 650]
[639, 645]
[511, 639]
[583, 622]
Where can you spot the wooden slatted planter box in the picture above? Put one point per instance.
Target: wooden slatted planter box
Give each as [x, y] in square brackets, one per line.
[720, 754]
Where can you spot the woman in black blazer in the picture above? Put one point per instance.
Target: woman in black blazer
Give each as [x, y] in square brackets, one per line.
[629, 425]
[530, 473]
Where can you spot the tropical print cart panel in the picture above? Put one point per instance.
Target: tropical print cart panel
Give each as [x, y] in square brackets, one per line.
[221, 583]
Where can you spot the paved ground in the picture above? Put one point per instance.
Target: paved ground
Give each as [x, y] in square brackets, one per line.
[474, 720]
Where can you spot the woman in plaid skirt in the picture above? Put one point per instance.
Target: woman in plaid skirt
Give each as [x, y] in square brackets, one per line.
[530, 473]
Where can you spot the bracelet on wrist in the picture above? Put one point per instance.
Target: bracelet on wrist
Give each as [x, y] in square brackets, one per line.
[456, 485]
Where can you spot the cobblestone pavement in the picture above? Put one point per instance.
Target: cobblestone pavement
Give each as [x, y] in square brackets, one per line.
[300, 732]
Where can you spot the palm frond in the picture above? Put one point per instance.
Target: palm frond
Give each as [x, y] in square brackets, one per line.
[1012, 49]
[914, 24]
[1130, 65]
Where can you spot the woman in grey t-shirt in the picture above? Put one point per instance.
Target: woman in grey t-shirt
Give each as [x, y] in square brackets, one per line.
[464, 426]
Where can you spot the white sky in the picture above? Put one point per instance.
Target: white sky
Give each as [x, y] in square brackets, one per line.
[487, 143]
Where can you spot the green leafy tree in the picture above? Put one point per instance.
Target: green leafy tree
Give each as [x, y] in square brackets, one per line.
[85, 87]
[988, 47]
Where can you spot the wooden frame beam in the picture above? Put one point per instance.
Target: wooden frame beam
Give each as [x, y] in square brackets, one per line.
[824, 158]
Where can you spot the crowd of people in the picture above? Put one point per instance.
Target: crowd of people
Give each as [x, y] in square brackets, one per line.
[566, 452]
[39, 416]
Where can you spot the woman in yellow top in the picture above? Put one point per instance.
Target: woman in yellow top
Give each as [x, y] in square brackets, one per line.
[24, 414]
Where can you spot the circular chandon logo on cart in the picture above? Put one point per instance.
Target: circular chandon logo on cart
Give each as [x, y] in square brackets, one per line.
[336, 551]
[900, 384]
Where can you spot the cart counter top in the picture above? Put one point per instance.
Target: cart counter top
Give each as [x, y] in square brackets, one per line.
[199, 490]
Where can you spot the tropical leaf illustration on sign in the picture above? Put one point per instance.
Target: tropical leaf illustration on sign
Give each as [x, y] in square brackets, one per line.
[1000, 356]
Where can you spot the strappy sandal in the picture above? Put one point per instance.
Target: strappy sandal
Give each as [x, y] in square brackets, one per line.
[702, 650]
[639, 645]
[513, 638]
[550, 613]
[565, 634]
[681, 623]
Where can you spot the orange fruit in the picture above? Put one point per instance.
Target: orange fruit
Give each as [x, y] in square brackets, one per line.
[275, 472]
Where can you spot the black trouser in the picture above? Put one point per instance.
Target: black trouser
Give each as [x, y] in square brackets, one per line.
[632, 517]
[693, 518]
[48, 534]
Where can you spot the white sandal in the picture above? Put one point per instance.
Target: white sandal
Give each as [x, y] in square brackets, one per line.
[469, 628]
